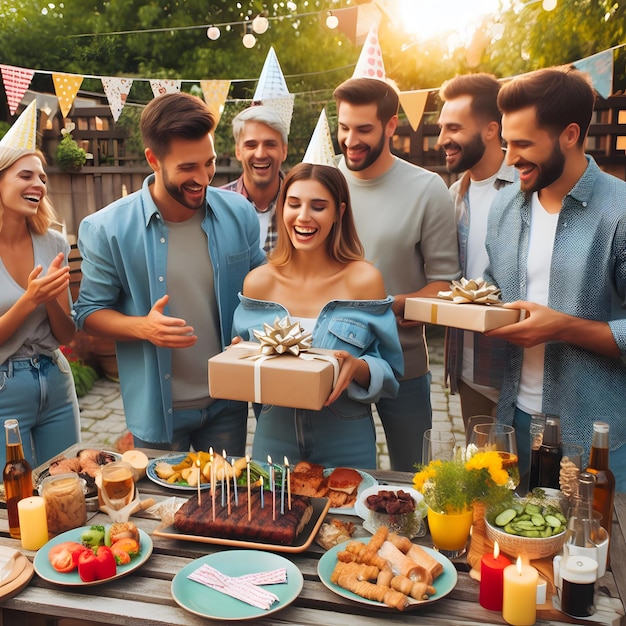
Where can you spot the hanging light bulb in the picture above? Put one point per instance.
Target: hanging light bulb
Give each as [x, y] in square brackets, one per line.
[260, 24]
[249, 40]
[332, 21]
[549, 5]
[213, 33]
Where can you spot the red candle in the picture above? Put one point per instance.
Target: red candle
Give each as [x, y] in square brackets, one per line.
[491, 579]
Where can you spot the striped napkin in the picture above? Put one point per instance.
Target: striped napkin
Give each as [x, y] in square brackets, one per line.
[245, 588]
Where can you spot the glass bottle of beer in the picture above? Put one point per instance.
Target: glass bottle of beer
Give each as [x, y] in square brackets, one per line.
[17, 475]
[604, 490]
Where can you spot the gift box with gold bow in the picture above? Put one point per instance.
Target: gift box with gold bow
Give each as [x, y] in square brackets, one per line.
[282, 369]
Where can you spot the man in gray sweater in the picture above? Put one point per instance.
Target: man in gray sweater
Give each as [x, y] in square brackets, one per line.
[405, 220]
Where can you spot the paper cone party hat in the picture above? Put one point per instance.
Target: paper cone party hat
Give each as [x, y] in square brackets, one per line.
[22, 136]
[272, 90]
[370, 63]
[321, 150]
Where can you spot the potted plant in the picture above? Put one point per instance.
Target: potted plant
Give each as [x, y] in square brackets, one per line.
[69, 156]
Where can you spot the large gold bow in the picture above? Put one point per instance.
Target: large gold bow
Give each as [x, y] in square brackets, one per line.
[284, 337]
[474, 290]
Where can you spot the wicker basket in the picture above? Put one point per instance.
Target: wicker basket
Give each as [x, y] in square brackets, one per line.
[531, 547]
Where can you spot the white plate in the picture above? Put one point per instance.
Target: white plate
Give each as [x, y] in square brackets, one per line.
[365, 514]
[172, 459]
[45, 570]
[367, 482]
[443, 584]
[206, 602]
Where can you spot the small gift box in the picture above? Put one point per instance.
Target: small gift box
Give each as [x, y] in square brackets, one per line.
[284, 373]
[470, 304]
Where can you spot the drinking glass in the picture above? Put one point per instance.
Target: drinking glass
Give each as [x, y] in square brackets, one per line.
[501, 439]
[438, 445]
[117, 489]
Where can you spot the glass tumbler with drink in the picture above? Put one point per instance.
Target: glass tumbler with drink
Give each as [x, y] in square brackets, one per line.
[501, 438]
[117, 490]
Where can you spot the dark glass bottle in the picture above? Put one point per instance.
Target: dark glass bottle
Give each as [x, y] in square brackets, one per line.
[17, 475]
[550, 453]
[604, 490]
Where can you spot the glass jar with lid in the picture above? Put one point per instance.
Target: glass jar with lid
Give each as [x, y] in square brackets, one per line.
[64, 495]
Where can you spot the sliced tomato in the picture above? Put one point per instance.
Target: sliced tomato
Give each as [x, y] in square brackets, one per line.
[64, 556]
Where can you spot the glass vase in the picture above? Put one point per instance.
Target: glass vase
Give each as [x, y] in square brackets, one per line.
[450, 531]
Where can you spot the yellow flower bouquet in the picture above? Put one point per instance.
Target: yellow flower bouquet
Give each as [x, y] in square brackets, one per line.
[451, 486]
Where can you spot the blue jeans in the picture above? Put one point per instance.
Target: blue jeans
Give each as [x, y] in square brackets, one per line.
[405, 418]
[222, 425]
[39, 393]
[331, 437]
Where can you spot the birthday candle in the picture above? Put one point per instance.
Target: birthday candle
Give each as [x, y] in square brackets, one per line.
[272, 487]
[223, 492]
[288, 484]
[282, 492]
[248, 477]
[199, 497]
[212, 461]
[262, 495]
[235, 483]
[227, 492]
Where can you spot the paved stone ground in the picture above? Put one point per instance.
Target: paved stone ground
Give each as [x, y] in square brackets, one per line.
[103, 422]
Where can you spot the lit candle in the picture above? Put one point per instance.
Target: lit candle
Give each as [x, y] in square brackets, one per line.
[491, 579]
[288, 484]
[223, 492]
[519, 600]
[235, 483]
[262, 494]
[227, 492]
[282, 490]
[199, 496]
[33, 522]
[248, 481]
[272, 490]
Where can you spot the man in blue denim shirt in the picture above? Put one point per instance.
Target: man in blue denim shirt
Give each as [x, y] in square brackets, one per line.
[557, 248]
[161, 272]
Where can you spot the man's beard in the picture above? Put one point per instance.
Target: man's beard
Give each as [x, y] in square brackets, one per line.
[372, 155]
[471, 153]
[177, 193]
[549, 171]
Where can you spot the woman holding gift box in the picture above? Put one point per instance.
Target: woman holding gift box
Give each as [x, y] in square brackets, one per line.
[317, 276]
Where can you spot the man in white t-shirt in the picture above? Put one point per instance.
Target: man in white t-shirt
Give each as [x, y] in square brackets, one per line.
[470, 136]
[557, 248]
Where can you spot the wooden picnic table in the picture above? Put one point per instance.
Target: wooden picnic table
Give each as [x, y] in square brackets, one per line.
[144, 598]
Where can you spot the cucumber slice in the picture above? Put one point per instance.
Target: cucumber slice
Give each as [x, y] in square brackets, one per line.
[505, 517]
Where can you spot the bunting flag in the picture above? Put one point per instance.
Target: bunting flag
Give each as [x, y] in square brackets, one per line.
[413, 103]
[215, 93]
[66, 87]
[16, 81]
[320, 150]
[116, 90]
[23, 134]
[600, 68]
[368, 16]
[160, 86]
[347, 20]
[370, 63]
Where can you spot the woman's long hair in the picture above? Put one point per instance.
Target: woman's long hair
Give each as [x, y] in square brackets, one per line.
[46, 216]
[343, 243]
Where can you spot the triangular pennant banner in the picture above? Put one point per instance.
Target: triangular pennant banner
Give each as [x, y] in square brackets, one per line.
[413, 103]
[321, 150]
[66, 87]
[161, 87]
[600, 68]
[215, 93]
[23, 134]
[370, 63]
[16, 81]
[283, 107]
[116, 90]
[347, 19]
[368, 16]
[271, 82]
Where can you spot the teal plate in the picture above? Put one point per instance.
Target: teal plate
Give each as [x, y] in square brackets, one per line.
[443, 584]
[206, 602]
[47, 572]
